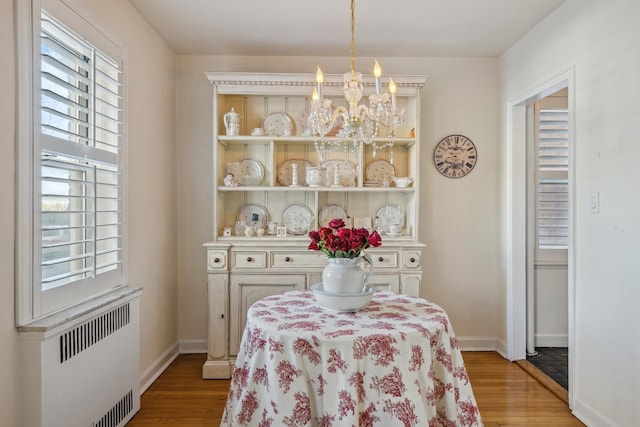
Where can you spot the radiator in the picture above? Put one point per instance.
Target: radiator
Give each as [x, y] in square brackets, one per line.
[81, 368]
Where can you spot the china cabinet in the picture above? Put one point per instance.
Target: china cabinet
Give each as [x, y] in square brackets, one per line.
[272, 183]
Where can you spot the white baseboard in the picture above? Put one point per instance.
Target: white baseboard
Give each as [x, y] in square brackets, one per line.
[157, 367]
[193, 346]
[477, 343]
[501, 349]
[551, 340]
[589, 416]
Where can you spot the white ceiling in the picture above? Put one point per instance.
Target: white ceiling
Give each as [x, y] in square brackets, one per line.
[384, 28]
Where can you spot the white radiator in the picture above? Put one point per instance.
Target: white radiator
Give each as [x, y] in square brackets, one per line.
[82, 368]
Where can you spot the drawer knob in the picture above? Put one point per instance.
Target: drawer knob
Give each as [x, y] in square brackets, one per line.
[287, 259]
[216, 260]
[412, 259]
[249, 259]
[380, 259]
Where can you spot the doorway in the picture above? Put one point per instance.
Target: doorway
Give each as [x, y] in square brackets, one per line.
[517, 219]
[548, 234]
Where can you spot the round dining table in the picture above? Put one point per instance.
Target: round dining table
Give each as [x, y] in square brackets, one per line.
[396, 362]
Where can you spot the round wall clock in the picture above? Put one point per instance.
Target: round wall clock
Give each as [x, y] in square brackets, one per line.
[455, 156]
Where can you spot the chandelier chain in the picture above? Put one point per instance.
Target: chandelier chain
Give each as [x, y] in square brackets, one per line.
[353, 36]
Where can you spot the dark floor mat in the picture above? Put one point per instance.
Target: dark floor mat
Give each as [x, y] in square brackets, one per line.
[553, 361]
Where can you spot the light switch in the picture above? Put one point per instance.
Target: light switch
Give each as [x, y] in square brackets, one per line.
[595, 203]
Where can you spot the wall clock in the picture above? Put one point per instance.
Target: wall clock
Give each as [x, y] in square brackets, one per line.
[455, 156]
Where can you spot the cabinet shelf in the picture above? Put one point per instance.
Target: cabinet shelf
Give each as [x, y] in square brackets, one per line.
[250, 139]
[250, 188]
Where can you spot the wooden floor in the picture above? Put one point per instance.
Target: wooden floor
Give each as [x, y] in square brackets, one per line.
[506, 395]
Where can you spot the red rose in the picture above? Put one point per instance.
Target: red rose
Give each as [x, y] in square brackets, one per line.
[336, 223]
[374, 239]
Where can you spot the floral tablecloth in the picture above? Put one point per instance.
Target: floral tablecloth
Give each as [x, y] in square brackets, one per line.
[394, 363]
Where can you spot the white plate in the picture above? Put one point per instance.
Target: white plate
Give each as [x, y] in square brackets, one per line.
[278, 124]
[250, 172]
[285, 171]
[387, 215]
[347, 173]
[254, 215]
[342, 302]
[331, 212]
[296, 218]
[378, 170]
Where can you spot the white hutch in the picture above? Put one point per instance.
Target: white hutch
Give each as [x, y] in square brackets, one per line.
[243, 269]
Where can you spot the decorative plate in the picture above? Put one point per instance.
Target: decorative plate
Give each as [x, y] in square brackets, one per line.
[378, 170]
[347, 172]
[285, 171]
[387, 215]
[250, 172]
[254, 215]
[331, 212]
[278, 124]
[296, 218]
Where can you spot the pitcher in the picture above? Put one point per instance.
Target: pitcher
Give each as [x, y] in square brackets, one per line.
[232, 123]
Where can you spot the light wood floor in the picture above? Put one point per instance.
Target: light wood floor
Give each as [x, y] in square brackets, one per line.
[506, 395]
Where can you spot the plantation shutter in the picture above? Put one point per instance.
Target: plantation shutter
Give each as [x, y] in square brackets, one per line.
[552, 175]
[81, 179]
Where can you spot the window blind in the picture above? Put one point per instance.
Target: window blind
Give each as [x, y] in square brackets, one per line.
[553, 190]
[81, 185]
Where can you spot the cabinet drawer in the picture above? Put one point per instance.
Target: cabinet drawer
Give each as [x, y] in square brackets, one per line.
[250, 259]
[216, 260]
[385, 259]
[297, 260]
[411, 259]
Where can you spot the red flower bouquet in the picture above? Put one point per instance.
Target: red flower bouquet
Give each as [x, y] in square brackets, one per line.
[337, 241]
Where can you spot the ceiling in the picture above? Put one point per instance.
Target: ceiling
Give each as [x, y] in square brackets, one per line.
[402, 28]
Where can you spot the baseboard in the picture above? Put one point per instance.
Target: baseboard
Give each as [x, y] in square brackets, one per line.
[477, 343]
[193, 346]
[157, 367]
[551, 340]
[589, 416]
[501, 349]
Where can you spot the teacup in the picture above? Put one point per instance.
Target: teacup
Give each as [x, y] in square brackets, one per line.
[395, 229]
[402, 181]
[258, 132]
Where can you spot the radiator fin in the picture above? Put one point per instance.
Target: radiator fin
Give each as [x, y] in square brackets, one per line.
[93, 331]
[118, 413]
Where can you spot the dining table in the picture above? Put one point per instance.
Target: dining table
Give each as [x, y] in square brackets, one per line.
[395, 362]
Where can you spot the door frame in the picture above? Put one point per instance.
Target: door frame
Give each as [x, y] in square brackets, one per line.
[516, 219]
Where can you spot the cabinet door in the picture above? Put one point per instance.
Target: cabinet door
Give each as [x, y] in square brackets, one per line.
[385, 282]
[246, 289]
[218, 318]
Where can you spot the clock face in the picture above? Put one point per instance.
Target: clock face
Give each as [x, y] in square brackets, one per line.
[455, 156]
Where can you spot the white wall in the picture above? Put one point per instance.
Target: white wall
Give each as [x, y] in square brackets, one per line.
[9, 357]
[460, 216]
[152, 187]
[599, 40]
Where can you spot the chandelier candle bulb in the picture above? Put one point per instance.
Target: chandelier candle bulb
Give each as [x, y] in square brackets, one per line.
[392, 90]
[319, 81]
[377, 72]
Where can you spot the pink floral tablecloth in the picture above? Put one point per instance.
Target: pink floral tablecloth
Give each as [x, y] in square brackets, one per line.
[394, 363]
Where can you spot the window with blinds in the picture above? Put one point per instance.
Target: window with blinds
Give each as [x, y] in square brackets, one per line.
[552, 195]
[81, 181]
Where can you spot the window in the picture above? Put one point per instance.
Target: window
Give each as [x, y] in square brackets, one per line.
[552, 168]
[76, 166]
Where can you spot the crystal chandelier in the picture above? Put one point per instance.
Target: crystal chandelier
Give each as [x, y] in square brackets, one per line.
[360, 123]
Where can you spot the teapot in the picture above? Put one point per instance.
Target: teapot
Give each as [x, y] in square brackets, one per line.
[232, 123]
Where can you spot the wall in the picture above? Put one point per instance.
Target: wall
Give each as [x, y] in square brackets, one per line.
[460, 216]
[9, 357]
[152, 187]
[599, 40]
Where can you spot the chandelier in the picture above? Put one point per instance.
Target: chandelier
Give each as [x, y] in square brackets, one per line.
[360, 123]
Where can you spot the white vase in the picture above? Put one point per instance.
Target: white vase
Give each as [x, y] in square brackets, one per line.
[344, 275]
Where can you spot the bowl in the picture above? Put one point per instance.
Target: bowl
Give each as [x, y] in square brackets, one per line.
[342, 302]
[402, 181]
